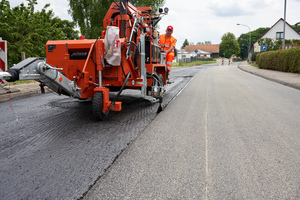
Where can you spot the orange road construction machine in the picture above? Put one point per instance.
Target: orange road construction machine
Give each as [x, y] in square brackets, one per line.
[125, 56]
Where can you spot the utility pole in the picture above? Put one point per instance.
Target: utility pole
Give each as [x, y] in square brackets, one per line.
[283, 40]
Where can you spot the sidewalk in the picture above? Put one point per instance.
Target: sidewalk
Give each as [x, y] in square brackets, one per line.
[288, 79]
[19, 91]
[30, 89]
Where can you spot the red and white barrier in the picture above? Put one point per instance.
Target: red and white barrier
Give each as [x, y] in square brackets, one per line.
[3, 59]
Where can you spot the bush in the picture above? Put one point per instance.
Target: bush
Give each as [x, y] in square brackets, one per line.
[287, 60]
[257, 58]
[253, 57]
[237, 59]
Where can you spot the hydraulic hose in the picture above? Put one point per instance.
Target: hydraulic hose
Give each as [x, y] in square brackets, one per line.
[121, 50]
[155, 76]
[155, 23]
[136, 53]
[120, 91]
[115, 14]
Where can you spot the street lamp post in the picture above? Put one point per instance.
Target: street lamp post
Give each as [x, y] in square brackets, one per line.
[249, 40]
[283, 41]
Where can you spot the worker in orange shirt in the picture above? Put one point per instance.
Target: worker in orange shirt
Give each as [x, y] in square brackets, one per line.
[168, 43]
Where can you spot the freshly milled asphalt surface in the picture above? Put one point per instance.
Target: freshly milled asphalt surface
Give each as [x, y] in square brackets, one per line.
[228, 135]
[51, 147]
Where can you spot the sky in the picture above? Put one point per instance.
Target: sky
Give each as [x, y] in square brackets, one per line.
[200, 21]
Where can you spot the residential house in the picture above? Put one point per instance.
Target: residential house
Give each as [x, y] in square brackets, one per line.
[182, 55]
[276, 33]
[209, 50]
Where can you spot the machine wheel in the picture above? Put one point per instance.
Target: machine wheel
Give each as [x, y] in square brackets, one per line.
[155, 83]
[161, 79]
[97, 106]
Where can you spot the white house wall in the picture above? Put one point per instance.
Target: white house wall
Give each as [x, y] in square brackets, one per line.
[289, 32]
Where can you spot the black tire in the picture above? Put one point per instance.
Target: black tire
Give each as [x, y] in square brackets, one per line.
[161, 79]
[160, 82]
[97, 106]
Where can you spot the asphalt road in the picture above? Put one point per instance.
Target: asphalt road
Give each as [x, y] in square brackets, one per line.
[228, 135]
[51, 147]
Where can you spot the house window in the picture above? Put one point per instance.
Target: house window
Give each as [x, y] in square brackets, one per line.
[279, 35]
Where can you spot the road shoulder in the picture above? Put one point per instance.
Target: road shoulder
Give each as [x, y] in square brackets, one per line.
[19, 91]
[288, 79]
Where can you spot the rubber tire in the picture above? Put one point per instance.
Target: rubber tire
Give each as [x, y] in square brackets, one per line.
[97, 107]
[161, 79]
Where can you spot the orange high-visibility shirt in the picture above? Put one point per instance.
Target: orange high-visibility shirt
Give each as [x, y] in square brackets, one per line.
[166, 43]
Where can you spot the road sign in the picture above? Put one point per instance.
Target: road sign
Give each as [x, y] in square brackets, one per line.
[264, 47]
[3, 58]
[256, 48]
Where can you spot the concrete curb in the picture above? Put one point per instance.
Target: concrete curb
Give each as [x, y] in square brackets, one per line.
[284, 78]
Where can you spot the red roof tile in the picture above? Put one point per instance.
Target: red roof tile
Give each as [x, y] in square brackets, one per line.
[212, 48]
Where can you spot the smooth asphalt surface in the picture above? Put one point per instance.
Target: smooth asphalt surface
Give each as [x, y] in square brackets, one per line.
[228, 135]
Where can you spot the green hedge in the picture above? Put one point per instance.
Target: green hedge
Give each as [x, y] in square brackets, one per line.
[287, 60]
[253, 57]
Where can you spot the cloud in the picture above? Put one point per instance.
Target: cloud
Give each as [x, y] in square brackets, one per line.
[199, 21]
[60, 8]
[228, 10]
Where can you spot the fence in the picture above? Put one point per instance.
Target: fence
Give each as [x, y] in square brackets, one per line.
[193, 59]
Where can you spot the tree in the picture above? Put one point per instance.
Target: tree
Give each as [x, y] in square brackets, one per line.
[28, 31]
[184, 44]
[297, 28]
[204, 43]
[89, 14]
[271, 43]
[243, 40]
[229, 45]
[155, 4]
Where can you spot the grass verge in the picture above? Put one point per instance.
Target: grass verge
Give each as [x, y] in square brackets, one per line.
[22, 82]
[176, 64]
[254, 65]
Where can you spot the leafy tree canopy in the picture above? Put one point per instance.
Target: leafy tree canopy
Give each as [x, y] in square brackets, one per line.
[243, 40]
[229, 45]
[28, 31]
[155, 4]
[184, 44]
[204, 43]
[271, 44]
[89, 14]
[297, 28]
